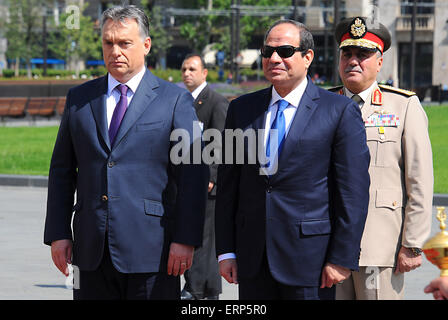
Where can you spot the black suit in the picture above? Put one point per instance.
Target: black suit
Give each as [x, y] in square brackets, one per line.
[312, 211]
[203, 279]
[131, 188]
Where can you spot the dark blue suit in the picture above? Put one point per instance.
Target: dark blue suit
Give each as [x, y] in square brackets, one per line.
[132, 189]
[310, 212]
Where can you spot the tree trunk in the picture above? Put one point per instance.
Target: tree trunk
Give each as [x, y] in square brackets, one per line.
[17, 67]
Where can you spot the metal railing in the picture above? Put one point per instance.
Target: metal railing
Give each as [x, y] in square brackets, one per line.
[423, 22]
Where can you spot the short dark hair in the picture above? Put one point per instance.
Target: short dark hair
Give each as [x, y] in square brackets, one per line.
[191, 55]
[120, 13]
[306, 38]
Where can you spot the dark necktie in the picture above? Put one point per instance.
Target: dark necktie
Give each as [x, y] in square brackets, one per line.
[279, 125]
[119, 112]
[357, 99]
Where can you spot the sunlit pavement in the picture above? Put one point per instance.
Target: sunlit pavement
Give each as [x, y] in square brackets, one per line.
[27, 271]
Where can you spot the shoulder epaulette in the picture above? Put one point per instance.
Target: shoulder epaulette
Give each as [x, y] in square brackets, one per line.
[336, 89]
[398, 90]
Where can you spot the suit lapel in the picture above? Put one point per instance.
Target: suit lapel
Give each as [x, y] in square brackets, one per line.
[371, 105]
[140, 102]
[261, 108]
[367, 109]
[306, 108]
[201, 98]
[99, 110]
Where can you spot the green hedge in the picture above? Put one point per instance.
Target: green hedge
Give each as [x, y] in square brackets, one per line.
[174, 75]
[9, 73]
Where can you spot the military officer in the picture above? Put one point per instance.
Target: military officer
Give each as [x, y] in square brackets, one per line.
[401, 172]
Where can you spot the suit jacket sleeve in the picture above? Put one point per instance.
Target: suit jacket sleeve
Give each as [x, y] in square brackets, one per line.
[61, 183]
[220, 106]
[227, 195]
[350, 188]
[418, 171]
[191, 178]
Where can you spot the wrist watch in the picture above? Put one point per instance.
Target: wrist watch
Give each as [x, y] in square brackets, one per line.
[416, 251]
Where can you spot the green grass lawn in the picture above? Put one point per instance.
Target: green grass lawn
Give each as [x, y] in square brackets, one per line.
[438, 132]
[27, 150]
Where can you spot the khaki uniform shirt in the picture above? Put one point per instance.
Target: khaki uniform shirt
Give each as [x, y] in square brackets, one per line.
[401, 174]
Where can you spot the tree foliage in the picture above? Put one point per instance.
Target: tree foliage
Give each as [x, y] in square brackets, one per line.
[161, 40]
[22, 26]
[200, 31]
[76, 42]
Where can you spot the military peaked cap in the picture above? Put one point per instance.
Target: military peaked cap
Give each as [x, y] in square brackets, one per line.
[362, 32]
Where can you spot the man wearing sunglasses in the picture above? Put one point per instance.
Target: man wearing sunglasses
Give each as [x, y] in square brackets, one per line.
[399, 218]
[293, 232]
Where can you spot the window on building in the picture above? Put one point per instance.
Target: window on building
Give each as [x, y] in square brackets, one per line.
[423, 6]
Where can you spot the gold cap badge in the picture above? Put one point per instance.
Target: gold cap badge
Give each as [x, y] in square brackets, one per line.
[358, 28]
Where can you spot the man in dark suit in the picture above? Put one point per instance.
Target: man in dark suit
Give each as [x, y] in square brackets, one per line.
[138, 217]
[202, 280]
[293, 231]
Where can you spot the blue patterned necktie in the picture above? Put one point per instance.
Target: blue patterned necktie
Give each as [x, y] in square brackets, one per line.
[119, 112]
[279, 125]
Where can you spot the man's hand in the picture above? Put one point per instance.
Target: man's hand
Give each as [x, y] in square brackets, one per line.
[228, 270]
[180, 258]
[61, 253]
[439, 288]
[333, 274]
[210, 186]
[407, 261]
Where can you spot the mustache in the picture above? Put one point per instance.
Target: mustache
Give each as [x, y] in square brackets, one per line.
[353, 69]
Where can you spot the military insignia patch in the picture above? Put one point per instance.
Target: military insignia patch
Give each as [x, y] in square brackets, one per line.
[382, 120]
[358, 28]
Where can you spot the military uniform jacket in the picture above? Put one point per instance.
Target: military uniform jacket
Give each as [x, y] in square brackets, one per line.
[401, 174]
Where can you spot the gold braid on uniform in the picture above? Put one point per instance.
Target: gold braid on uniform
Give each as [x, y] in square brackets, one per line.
[398, 90]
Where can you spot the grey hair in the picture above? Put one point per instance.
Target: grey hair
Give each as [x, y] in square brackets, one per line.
[306, 38]
[121, 13]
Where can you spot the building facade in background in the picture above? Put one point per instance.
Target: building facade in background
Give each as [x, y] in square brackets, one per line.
[431, 34]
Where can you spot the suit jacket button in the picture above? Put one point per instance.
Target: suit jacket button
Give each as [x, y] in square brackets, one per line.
[269, 189]
[110, 164]
[104, 198]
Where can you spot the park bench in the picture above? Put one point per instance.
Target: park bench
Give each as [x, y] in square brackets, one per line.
[34, 106]
[17, 107]
[4, 106]
[48, 107]
[60, 105]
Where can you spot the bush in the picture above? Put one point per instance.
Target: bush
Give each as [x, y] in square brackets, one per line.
[174, 74]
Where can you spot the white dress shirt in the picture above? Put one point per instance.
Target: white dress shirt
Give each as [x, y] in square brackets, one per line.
[293, 98]
[365, 95]
[113, 96]
[196, 92]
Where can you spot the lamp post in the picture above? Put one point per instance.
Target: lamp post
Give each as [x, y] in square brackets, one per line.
[44, 37]
[413, 46]
[295, 14]
[335, 44]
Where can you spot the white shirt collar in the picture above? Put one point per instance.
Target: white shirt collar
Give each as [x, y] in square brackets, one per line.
[293, 97]
[364, 94]
[132, 83]
[196, 92]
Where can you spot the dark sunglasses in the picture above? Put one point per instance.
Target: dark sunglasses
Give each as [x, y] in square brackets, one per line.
[282, 51]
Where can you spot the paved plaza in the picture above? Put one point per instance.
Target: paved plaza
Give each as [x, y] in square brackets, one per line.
[27, 271]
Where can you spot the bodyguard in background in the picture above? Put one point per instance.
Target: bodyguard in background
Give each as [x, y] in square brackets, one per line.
[137, 216]
[203, 280]
[294, 233]
[401, 190]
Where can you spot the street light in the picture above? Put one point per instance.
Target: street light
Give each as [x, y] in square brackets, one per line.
[44, 37]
